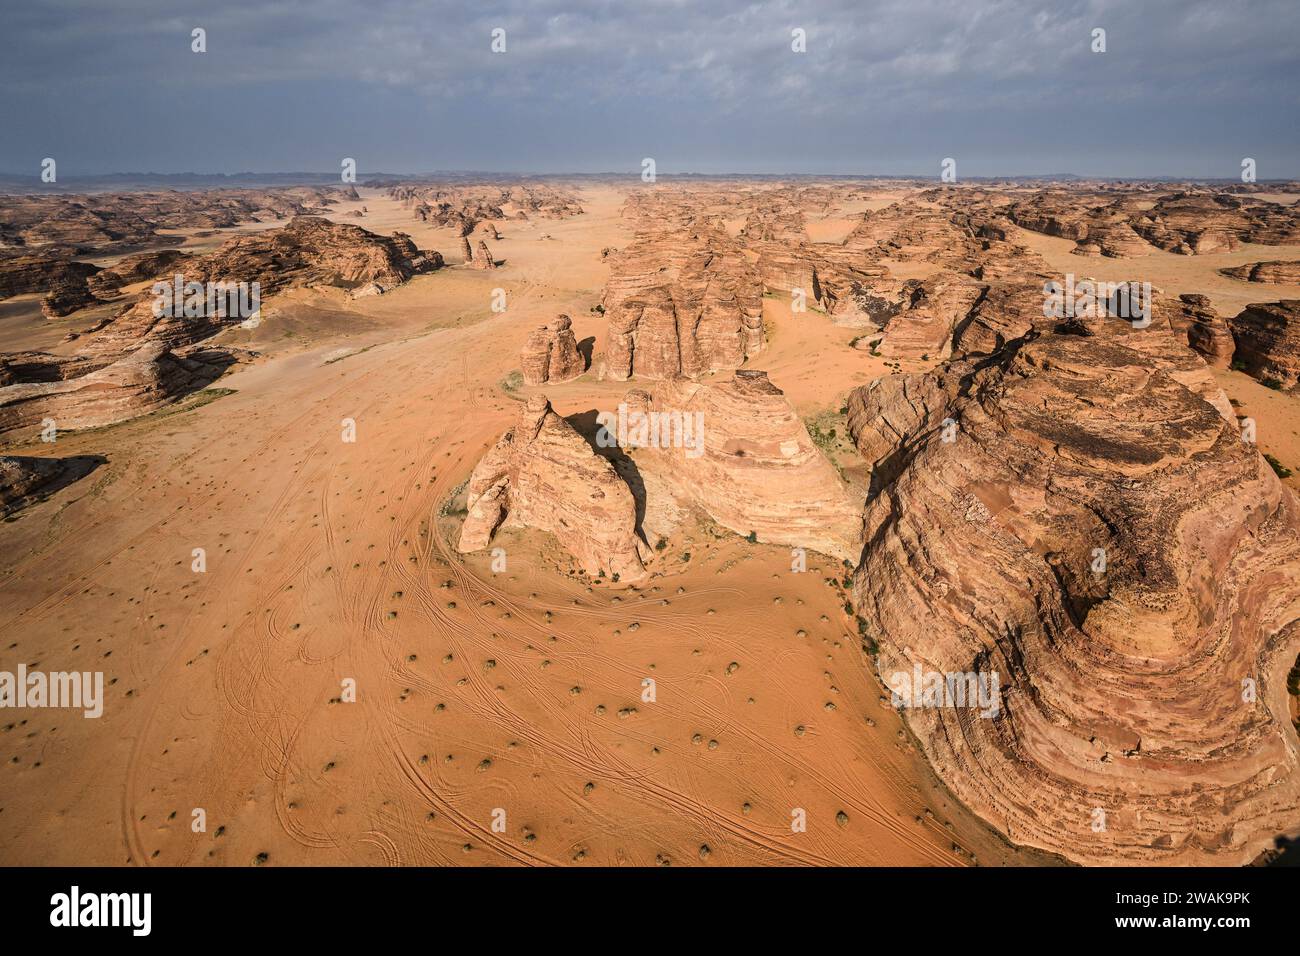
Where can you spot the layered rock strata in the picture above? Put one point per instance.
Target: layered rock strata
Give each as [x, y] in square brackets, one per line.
[1072, 528]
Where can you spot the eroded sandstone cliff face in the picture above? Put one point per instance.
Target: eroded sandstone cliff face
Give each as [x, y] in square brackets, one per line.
[137, 268]
[472, 208]
[542, 474]
[928, 313]
[1186, 222]
[482, 257]
[1196, 223]
[112, 221]
[1072, 517]
[739, 451]
[682, 303]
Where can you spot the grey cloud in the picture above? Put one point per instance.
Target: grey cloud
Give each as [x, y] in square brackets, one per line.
[1186, 87]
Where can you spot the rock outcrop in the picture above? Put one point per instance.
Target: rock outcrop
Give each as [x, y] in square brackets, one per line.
[739, 451]
[929, 311]
[1280, 272]
[482, 258]
[139, 382]
[1207, 331]
[1071, 526]
[109, 222]
[309, 251]
[24, 480]
[1194, 223]
[1267, 337]
[63, 280]
[67, 297]
[472, 208]
[682, 304]
[137, 268]
[551, 354]
[542, 474]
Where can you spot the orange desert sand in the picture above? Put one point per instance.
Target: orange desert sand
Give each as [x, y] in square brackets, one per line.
[477, 690]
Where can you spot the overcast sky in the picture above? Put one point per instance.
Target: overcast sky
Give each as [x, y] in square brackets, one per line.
[1185, 87]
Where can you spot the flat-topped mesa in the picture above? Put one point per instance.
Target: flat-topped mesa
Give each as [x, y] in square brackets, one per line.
[1267, 337]
[483, 257]
[1070, 526]
[551, 354]
[682, 302]
[542, 474]
[738, 450]
[309, 251]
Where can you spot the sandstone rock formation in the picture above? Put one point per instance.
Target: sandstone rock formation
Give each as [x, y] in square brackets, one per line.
[67, 297]
[1007, 311]
[1071, 517]
[542, 474]
[472, 208]
[139, 382]
[483, 257]
[1283, 273]
[551, 354]
[1207, 331]
[16, 367]
[1267, 337]
[682, 304]
[118, 221]
[1186, 222]
[63, 280]
[309, 251]
[927, 315]
[137, 268]
[739, 451]
[24, 480]
[1195, 223]
[904, 230]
